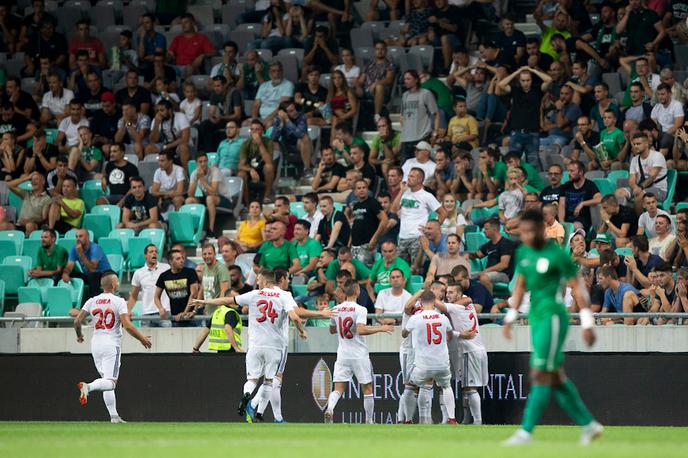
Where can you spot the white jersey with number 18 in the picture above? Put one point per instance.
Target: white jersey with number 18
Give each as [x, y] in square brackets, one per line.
[351, 344]
[267, 313]
[105, 310]
[465, 318]
[429, 333]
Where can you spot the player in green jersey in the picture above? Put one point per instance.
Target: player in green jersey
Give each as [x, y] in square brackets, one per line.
[545, 270]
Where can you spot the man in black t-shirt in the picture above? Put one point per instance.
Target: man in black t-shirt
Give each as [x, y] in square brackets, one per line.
[104, 122]
[140, 209]
[620, 220]
[310, 95]
[118, 172]
[500, 256]
[137, 94]
[320, 50]
[91, 98]
[334, 229]
[533, 57]
[42, 156]
[584, 136]
[181, 284]
[369, 221]
[577, 196]
[21, 101]
[551, 193]
[14, 122]
[328, 173]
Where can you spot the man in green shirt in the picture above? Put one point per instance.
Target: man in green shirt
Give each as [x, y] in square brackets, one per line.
[343, 139]
[379, 273]
[51, 258]
[445, 98]
[612, 142]
[307, 249]
[345, 259]
[545, 269]
[490, 174]
[277, 251]
[85, 158]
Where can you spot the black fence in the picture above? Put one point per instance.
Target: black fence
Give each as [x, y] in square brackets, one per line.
[620, 389]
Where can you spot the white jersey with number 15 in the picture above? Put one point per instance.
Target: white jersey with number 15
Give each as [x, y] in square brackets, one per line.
[267, 310]
[429, 333]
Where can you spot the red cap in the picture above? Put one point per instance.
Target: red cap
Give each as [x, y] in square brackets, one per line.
[107, 97]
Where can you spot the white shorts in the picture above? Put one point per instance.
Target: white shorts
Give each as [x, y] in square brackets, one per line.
[441, 377]
[406, 363]
[283, 360]
[456, 363]
[475, 371]
[345, 369]
[262, 362]
[106, 357]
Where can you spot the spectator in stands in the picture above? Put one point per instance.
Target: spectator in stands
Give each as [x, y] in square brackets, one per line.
[619, 297]
[273, 34]
[443, 263]
[320, 50]
[443, 175]
[124, 56]
[159, 69]
[663, 243]
[58, 174]
[290, 130]
[639, 73]
[282, 212]
[420, 161]
[140, 209]
[662, 294]
[143, 282]
[490, 174]
[191, 106]
[115, 181]
[34, 205]
[432, 242]
[444, 25]
[229, 149]
[311, 97]
[345, 261]
[256, 163]
[473, 289]
[678, 91]
[149, 41]
[559, 123]
[348, 67]
[369, 222]
[420, 117]
[533, 58]
[66, 210]
[77, 80]
[84, 40]
[104, 122]
[659, 140]
[214, 283]
[584, 140]
[620, 220]
[51, 258]
[511, 40]
[602, 103]
[333, 230]
[168, 182]
[642, 262]
[46, 43]
[612, 154]
[513, 160]
[414, 205]
[85, 158]
[271, 93]
[638, 108]
[646, 222]
[181, 285]
[647, 173]
[376, 80]
[136, 93]
[393, 180]
[226, 105]
[381, 272]
[500, 256]
[577, 196]
[643, 28]
[92, 261]
[189, 50]
[12, 157]
[553, 228]
[463, 128]
[170, 133]
[392, 299]
[160, 90]
[276, 251]
[230, 68]
[133, 128]
[254, 73]
[307, 249]
[31, 23]
[21, 101]
[42, 156]
[342, 276]
[236, 278]
[526, 99]
[55, 101]
[313, 215]
[68, 134]
[251, 232]
[343, 139]
[560, 25]
[667, 113]
[386, 147]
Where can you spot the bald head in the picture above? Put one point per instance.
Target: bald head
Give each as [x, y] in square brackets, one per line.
[109, 282]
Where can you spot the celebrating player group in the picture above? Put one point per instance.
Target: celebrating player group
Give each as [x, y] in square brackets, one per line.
[440, 340]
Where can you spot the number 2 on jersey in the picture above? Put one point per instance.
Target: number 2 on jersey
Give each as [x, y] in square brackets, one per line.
[434, 335]
[106, 318]
[345, 325]
[266, 310]
[474, 320]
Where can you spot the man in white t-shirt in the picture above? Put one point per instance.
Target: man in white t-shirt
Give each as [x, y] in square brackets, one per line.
[667, 113]
[647, 173]
[430, 331]
[208, 185]
[646, 222]
[68, 130]
[168, 182]
[55, 101]
[352, 351]
[421, 161]
[413, 204]
[170, 131]
[143, 281]
[392, 300]
[109, 314]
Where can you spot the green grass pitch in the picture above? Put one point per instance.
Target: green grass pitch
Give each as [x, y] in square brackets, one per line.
[165, 440]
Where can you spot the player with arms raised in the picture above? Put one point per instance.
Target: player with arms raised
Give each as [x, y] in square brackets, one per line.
[430, 331]
[545, 269]
[352, 351]
[110, 314]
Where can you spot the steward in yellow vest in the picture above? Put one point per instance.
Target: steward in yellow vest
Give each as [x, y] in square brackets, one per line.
[225, 330]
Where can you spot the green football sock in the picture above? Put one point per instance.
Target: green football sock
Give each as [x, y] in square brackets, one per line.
[568, 398]
[538, 400]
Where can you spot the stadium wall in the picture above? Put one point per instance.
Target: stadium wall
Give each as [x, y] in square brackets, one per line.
[620, 389]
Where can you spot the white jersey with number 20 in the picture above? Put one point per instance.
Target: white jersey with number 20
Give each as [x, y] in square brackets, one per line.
[267, 311]
[351, 344]
[465, 318]
[105, 310]
[429, 333]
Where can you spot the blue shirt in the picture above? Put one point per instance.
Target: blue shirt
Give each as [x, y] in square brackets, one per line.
[228, 152]
[441, 247]
[270, 96]
[613, 302]
[151, 44]
[294, 128]
[94, 253]
[571, 112]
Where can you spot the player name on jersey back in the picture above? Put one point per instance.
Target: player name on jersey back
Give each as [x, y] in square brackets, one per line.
[351, 344]
[429, 333]
[105, 310]
[268, 311]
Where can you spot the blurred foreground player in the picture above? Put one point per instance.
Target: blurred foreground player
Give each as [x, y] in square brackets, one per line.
[545, 269]
[110, 314]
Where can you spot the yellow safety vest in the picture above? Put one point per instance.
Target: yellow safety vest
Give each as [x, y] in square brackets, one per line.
[218, 337]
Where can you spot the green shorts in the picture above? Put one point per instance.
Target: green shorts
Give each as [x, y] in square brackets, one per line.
[548, 335]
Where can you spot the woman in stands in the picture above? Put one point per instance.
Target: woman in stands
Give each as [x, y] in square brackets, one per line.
[252, 230]
[342, 100]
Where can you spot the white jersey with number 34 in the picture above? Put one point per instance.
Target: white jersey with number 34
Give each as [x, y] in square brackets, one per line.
[105, 310]
[465, 318]
[351, 344]
[267, 311]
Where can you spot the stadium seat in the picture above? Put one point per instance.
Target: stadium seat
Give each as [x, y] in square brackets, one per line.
[131, 15]
[2, 297]
[296, 209]
[624, 251]
[265, 54]
[24, 262]
[71, 234]
[156, 236]
[123, 235]
[116, 263]
[30, 249]
[67, 244]
[111, 245]
[203, 14]
[290, 65]
[361, 38]
[113, 211]
[426, 54]
[15, 236]
[672, 177]
[90, 192]
[296, 52]
[59, 301]
[67, 19]
[42, 284]
[186, 225]
[147, 171]
[605, 186]
[29, 294]
[417, 279]
[28, 309]
[102, 16]
[415, 287]
[136, 257]
[299, 290]
[13, 276]
[231, 12]
[8, 248]
[76, 286]
[474, 240]
[242, 38]
[478, 265]
[100, 225]
[253, 28]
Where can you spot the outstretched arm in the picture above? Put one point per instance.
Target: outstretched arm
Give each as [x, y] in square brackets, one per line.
[365, 330]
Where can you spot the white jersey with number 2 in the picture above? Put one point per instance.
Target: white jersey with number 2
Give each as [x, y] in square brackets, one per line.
[105, 310]
[465, 318]
[267, 311]
[351, 344]
[429, 333]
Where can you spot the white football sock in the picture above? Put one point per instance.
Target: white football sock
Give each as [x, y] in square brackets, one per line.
[265, 396]
[101, 384]
[249, 386]
[449, 403]
[111, 403]
[276, 399]
[443, 408]
[424, 403]
[410, 404]
[474, 404]
[333, 400]
[369, 406]
[401, 411]
[466, 411]
[256, 399]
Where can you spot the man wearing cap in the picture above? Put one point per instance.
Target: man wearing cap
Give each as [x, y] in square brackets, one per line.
[421, 161]
[602, 242]
[104, 122]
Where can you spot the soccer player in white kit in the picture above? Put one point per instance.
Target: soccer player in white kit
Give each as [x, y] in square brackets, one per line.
[430, 331]
[110, 314]
[410, 394]
[352, 351]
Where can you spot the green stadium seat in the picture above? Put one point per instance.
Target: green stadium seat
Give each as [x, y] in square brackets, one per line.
[30, 249]
[24, 262]
[474, 240]
[417, 279]
[478, 265]
[8, 248]
[136, 258]
[471, 228]
[13, 276]
[113, 211]
[90, 191]
[296, 209]
[156, 236]
[42, 284]
[616, 175]
[71, 235]
[111, 245]
[76, 286]
[484, 213]
[672, 178]
[568, 230]
[15, 236]
[605, 186]
[59, 301]
[116, 263]
[99, 225]
[213, 158]
[29, 294]
[681, 205]
[123, 235]
[379, 287]
[299, 290]
[36, 235]
[2, 297]
[67, 244]
[624, 251]
[16, 202]
[415, 287]
[186, 225]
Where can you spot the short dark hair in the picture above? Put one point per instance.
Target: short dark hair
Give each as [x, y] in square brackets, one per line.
[168, 154]
[641, 243]
[137, 179]
[663, 87]
[533, 216]
[608, 271]
[396, 269]
[150, 245]
[303, 223]
[344, 127]
[343, 273]
[312, 196]
[648, 124]
[52, 232]
[610, 199]
[512, 155]
[662, 266]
